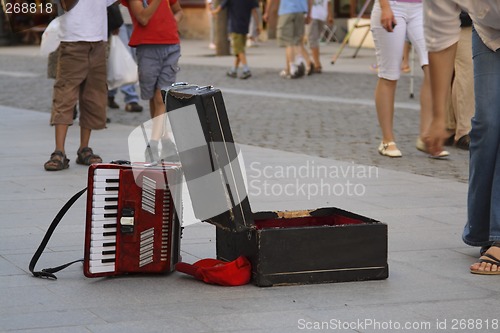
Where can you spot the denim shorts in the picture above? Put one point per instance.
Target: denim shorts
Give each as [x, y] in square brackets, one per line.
[158, 67]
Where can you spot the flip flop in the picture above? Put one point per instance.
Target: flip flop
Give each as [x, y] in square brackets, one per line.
[492, 260]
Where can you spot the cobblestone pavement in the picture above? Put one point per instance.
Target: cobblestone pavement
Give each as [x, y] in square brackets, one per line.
[330, 115]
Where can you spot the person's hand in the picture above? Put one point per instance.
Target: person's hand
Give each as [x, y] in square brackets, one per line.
[308, 18]
[265, 17]
[435, 137]
[387, 19]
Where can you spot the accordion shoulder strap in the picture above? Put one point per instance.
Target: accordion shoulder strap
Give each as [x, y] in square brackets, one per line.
[49, 272]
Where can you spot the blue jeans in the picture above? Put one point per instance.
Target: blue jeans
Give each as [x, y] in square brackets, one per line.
[483, 202]
[129, 89]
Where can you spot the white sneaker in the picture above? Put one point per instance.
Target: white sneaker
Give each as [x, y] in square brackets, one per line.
[382, 149]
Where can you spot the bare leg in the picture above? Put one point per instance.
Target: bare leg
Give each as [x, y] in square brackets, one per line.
[290, 57]
[384, 101]
[425, 103]
[84, 137]
[240, 59]
[315, 56]
[157, 109]
[61, 131]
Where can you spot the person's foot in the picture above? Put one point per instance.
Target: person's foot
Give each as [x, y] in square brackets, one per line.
[488, 263]
[58, 161]
[85, 156]
[245, 75]
[420, 145]
[301, 70]
[133, 107]
[389, 149]
[112, 104]
[232, 74]
[463, 142]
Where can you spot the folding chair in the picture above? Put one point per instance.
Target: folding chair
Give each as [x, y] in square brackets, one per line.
[328, 34]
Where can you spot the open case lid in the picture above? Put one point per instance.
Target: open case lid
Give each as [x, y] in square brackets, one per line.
[210, 160]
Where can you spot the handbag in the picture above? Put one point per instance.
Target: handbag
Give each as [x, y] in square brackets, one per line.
[122, 68]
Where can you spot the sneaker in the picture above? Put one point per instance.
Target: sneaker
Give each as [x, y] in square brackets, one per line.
[301, 70]
[245, 75]
[133, 107]
[112, 104]
[168, 151]
[284, 74]
[232, 74]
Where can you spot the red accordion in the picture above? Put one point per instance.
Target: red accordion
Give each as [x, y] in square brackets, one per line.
[132, 225]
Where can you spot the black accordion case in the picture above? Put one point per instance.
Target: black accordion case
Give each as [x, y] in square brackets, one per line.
[322, 245]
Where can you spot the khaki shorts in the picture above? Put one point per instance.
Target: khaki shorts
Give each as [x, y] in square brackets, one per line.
[81, 76]
[239, 42]
[314, 30]
[290, 29]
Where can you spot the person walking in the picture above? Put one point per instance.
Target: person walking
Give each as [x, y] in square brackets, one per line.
[240, 12]
[321, 14]
[391, 23]
[292, 17]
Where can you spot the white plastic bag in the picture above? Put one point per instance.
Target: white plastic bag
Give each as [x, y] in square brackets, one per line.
[122, 68]
[50, 38]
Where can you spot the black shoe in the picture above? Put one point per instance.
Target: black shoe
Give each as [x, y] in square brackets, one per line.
[75, 113]
[112, 104]
[301, 70]
[133, 107]
[463, 142]
[311, 69]
[450, 141]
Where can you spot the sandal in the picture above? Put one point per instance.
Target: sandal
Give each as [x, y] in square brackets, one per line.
[489, 259]
[58, 161]
[87, 157]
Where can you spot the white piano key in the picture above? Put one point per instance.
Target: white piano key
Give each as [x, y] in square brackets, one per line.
[110, 243]
[100, 256]
[103, 249]
[102, 210]
[102, 231]
[99, 267]
[101, 191]
[102, 238]
[107, 172]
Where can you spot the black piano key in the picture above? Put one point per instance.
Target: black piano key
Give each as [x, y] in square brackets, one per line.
[110, 215]
[108, 260]
[111, 188]
[108, 252]
[108, 244]
[112, 180]
[109, 233]
[109, 225]
[112, 199]
[111, 207]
